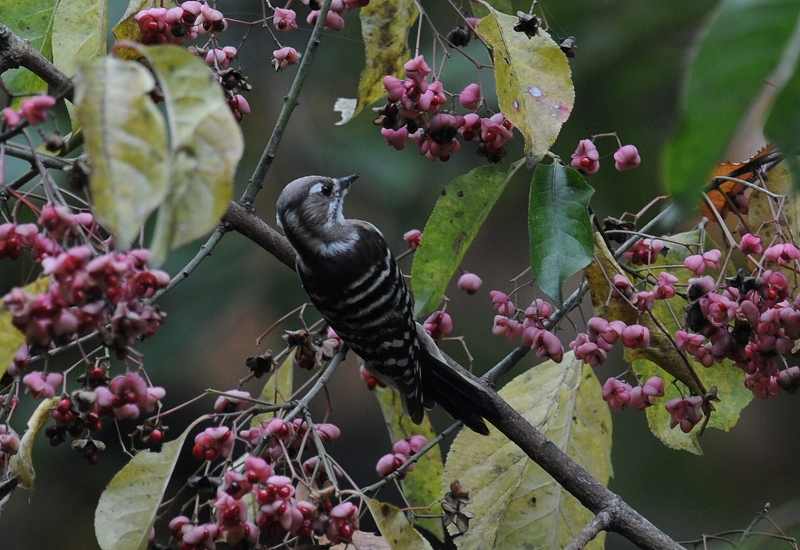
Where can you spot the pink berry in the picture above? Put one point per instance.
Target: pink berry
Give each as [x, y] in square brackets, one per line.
[11, 118]
[284, 19]
[627, 158]
[470, 97]
[284, 57]
[751, 244]
[636, 336]
[395, 138]
[35, 109]
[586, 157]
[469, 283]
[439, 324]
[616, 393]
[413, 238]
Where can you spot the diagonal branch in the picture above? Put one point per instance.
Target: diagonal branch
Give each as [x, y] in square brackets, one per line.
[599, 523]
[16, 52]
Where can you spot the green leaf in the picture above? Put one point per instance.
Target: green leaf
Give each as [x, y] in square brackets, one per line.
[517, 504]
[533, 81]
[661, 358]
[31, 20]
[740, 48]
[559, 229]
[128, 505]
[384, 27]
[22, 462]
[456, 218]
[395, 527]
[10, 337]
[126, 141]
[725, 376]
[79, 36]
[205, 143]
[422, 485]
[783, 125]
[277, 389]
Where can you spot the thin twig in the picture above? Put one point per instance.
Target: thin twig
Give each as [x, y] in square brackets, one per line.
[599, 523]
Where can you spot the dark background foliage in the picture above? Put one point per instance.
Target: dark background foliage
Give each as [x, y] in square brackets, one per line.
[627, 76]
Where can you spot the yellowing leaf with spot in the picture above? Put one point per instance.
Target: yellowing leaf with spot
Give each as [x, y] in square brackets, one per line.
[384, 27]
[517, 504]
[422, 485]
[11, 338]
[126, 141]
[395, 527]
[128, 505]
[277, 389]
[533, 80]
[22, 462]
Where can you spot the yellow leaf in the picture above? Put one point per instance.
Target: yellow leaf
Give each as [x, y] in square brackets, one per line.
[384, 27]
[22, 462]
[395, 527]
[533, 80]
[517, 504]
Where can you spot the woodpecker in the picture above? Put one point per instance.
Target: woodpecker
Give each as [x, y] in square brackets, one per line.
[352, 278]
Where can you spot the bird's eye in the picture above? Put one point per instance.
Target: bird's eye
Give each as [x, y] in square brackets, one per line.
[327, 189]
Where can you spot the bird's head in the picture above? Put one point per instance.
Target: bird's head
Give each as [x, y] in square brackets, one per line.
[310, 211]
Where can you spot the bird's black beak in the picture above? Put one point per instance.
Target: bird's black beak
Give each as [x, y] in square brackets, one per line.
[345, 182]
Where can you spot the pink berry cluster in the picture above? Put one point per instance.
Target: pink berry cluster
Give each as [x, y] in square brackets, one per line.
[80, 414]
[281, 511]
[186, 22]
[586, 157]
[645, 251]
[752, 320]
[528, 325]
[88, 291]
[34, 110]
[417, 109]
[402, 450]
[9, 445]
[285, 20]
[283, 433]
[592, 347]
[619, 394]
[175, 25]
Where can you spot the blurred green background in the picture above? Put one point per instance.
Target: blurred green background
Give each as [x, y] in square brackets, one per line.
[627, 75]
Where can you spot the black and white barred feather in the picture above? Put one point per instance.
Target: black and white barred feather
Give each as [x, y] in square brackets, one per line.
[352, 278]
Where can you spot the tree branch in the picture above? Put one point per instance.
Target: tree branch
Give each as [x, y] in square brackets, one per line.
[16, 52]
[599, 523]
[569, 474]
[257, 230]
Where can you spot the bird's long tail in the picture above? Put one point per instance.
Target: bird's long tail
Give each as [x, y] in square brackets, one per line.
[458, 391]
